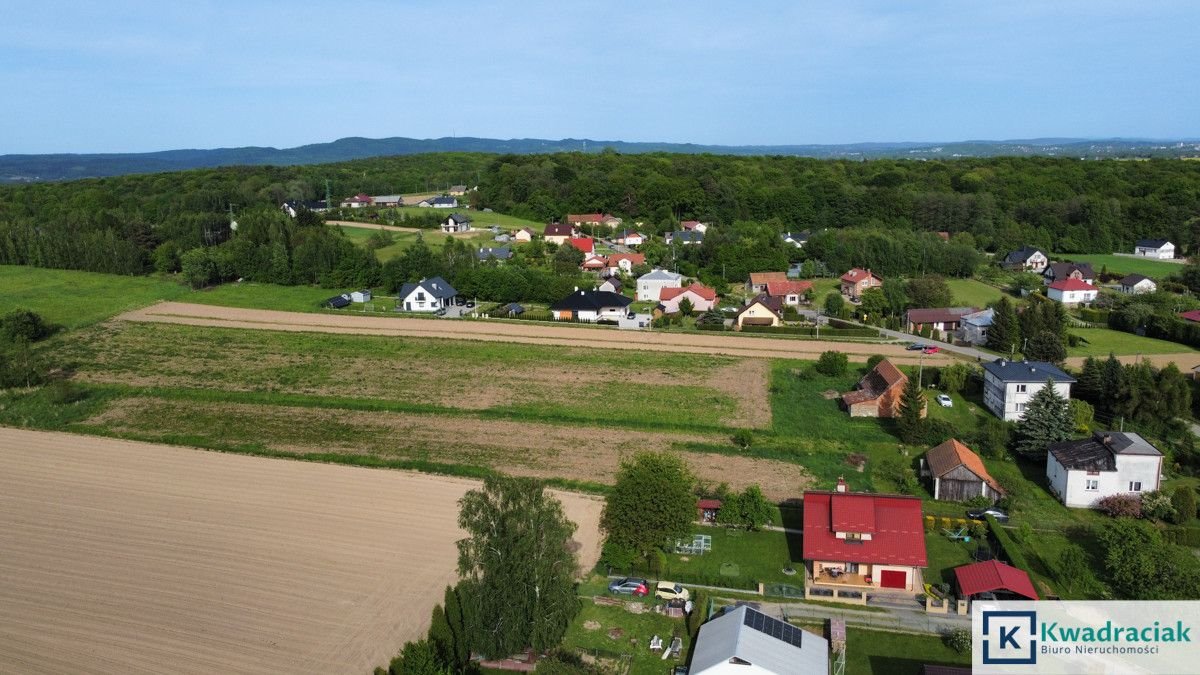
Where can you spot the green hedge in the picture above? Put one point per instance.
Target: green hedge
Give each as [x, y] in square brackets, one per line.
[1094, 315]
[1184, 536]
[1012, 551]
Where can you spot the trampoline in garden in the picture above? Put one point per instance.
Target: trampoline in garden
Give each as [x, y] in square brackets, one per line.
[700, 544]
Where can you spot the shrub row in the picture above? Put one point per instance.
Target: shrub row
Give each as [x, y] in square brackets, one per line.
[1012, 552]
[1184, 536]
[1094, 315]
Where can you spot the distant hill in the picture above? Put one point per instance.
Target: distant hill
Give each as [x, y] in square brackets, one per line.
[57, 167]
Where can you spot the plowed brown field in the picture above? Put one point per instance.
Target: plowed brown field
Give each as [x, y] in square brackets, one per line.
[124, 557]
[529, 333]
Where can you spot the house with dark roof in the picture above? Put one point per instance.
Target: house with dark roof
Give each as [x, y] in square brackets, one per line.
[944, 319]
[685, 238]
[338, 301]
[857, 281]
[1062, 271]
[456, 222]
[524, 235]
[744, 641]
[557, 233]
[442, 202]
[512, 309]
[1154, 248]
[762, 310]
[1085, 471]
[1008, 385]
[878, 393]
[611, 284]
[591, 306]
[863, 542]
[973, 328]
[427, 295]
[993, 580]
[1136, 284]
[499, 254]
[957, 474]
[457, 190]
[1026, 258]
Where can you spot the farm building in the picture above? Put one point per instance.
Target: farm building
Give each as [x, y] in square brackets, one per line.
[1154, 248]
[443, 202]
[974, 327]
[524, 235]
[958, 474]
[878, 393]
[611, 284]
[338, 301]
[361, 296]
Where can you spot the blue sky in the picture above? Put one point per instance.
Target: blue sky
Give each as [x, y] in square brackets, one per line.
[139, 76]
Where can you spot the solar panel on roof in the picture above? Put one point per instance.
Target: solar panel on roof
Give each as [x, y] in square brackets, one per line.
[777, 629]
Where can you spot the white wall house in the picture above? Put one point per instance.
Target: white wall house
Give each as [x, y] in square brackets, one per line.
[427, 295]
[456, 222]
[524, 235]
[1136, 284]
[1026, 258]
[974, 327]
[591, 306]
[1154, 248]
[1072, 292]
[1109, 463]
[650, 285]
[1008, 385]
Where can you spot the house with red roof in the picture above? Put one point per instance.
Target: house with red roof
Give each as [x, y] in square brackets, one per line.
[625, 262]
[878, 393]
[759, 280]
[1193, 316]
[702, 298]
[594, 263]
[858, 280]
[860, 542]
[958, 474]
[558, 233]
[585, 244]
[998, 580]
[358, 201]
[693, 226]
[593, 219]
[792, 293]
[1071, 291]
[628, 238]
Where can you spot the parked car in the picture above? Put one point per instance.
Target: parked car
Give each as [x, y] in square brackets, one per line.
[669, 590]
[441, 311]
[930, 350]
[635, 586]
[631, 315]
[470, 303]
[916, 346]
[945, 401]
[980, 514]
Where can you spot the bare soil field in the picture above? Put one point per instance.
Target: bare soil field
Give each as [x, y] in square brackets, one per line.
[581, 453]
[548, 334]
[123, 557]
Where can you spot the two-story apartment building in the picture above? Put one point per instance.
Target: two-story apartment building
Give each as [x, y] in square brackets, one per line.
[1008, 385]
[650, 285]
[1109, 463]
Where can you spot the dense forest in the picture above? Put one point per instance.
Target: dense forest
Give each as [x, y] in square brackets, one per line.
[880, 213]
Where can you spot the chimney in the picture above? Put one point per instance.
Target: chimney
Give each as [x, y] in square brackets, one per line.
[841, 485]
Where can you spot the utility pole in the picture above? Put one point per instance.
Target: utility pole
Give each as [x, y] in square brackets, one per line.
[328, 197]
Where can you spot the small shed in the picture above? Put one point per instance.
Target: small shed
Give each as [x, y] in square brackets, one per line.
[958, 474]
[512, 309]
[707, 509]
[338, 301]
[1003, 581]
[361, 296]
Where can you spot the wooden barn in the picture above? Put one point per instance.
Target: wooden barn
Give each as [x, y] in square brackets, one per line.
[957, 474]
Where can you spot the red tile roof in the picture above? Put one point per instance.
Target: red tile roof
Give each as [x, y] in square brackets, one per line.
[1193, 315]
[633, 258]
[585, 218]
[873, 385]
[595, 262]
[788, 287]
[897, 534]
[993, 575]
[699, 289]
[708, 504]
[582, 243]
[858, 274]
[689, 224]
[952, 454]
[1070, 284]
[760, 278]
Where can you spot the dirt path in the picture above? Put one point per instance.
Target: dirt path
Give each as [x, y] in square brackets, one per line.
[528, 333]
[399, 228]
[1185, 361]
[123, 557]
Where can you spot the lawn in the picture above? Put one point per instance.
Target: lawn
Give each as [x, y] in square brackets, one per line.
[873, 652]
[973, 293]
[589, 634]
[740, 559]
[403, 240]
[73, 299]
[1119, 264]
[251, 295]
[1103, 341]
[945, 554]
[479, 219]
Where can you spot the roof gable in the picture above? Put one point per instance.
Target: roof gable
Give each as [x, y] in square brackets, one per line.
[761, 278]
[993, 575]
[952, 454]
[874, 384]
[1026, 371]
[780, 288]
[897, 534]
[1071, 284]
[558, 230]
[858, 274]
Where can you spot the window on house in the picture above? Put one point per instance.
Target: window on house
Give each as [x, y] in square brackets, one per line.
[1135, 486]
[1021, 388]
[1092, 485]
[853, 536]
[1020, 407]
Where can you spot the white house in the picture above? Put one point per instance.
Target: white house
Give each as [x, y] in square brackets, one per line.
[1136, 284]
[557, 233]
[524, 235]
[1008, 385]
[1072, 292]
[744, 641]
[442, 202]
[693, 226]
[357, 201]
[1061, 271]
[1026, 258]
[623, 263]
[650, 285]
[427, 295]
[1109, 463]
[797, 239]
[591, 306]
[685, 238]
[974, 327]
[1154, 248]
[456, 222]
[628, 238]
